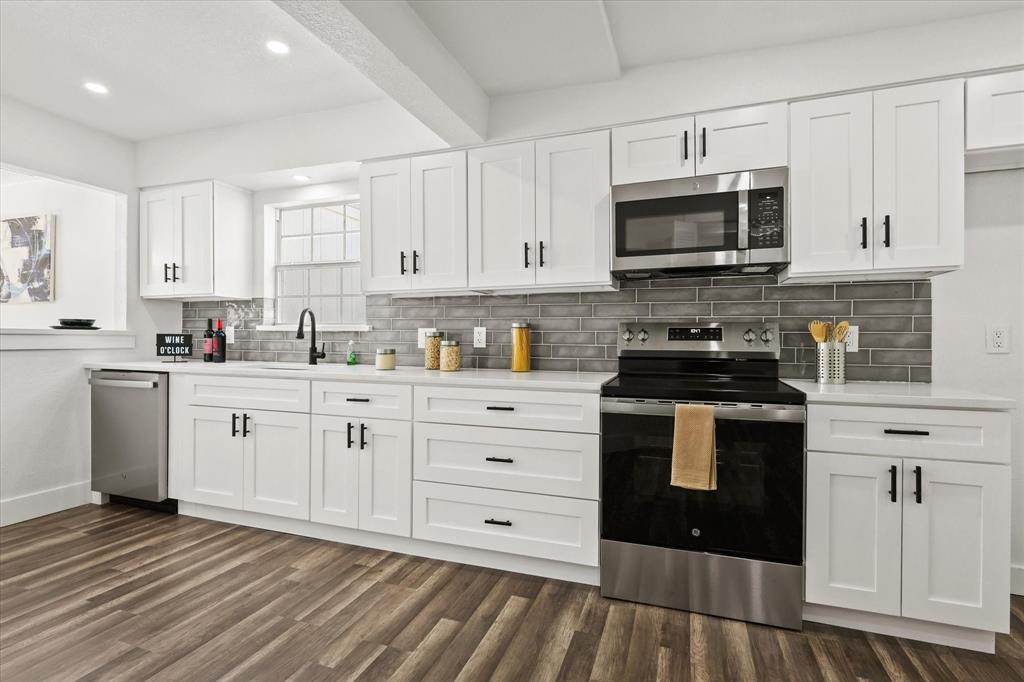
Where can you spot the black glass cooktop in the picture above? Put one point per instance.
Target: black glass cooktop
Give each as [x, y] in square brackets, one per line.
[739, 389]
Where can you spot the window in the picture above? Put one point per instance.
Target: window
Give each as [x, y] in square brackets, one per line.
[318, 264]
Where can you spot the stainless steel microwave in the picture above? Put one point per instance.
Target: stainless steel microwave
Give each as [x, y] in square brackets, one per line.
[734, 223]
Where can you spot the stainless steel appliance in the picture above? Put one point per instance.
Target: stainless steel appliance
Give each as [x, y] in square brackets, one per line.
[129, 434]
[736, 551]
[724, 224]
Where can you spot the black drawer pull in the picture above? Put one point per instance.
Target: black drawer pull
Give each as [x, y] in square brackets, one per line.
[906, 432]
[503, 460]
[495, 522]
[245, 425]
[167, 277]
[500, 408]
[234, 424]
[917, 484]
[362, 436]
[357, 400]
[348, 435]
[892, 483]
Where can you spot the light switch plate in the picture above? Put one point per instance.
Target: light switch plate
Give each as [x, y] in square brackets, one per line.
[997, 339]
[853, 339]
[479, 337]
[421, 336]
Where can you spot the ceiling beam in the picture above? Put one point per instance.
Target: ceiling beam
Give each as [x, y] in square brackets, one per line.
[390, 45]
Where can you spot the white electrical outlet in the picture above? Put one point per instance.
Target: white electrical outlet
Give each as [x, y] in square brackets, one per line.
[479, 337]
[997, 339]
[421, 336]
[853, 339]
[229, 334]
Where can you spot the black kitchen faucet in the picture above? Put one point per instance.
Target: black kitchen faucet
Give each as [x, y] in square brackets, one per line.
[314, 354]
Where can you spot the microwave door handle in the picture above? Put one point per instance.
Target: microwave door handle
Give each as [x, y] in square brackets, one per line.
[743, 220]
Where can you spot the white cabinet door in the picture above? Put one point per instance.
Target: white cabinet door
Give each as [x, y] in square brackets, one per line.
[742, 139]
[385, 476]
[653, 151]
[438, 259]
[276, 470]
[573, 209]
[956, 544]
[334, 471]
[995, 110]
[502, 217]
[386, 242]
[156, 242]
[853, 532]
[193, 220]
[830, 183]
[209, 455]
[919, 175]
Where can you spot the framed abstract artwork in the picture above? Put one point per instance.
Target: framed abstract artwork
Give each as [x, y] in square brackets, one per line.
[26, 258]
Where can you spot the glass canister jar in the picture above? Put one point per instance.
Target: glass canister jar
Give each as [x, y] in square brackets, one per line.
[432, 350]
[451, 356]
[520, 347]
[385, 358]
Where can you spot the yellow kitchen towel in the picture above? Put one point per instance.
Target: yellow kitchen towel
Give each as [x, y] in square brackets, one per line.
[693, 448]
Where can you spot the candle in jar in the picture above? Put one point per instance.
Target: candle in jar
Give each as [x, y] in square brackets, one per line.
[385, 358]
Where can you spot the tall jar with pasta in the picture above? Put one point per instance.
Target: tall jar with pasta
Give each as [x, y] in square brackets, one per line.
[520, 347]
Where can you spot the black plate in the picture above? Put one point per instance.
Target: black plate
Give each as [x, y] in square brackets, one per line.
[73, 327]
[75, 322]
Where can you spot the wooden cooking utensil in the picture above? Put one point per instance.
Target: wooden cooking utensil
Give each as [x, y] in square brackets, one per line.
[818, 330]
[839, 335]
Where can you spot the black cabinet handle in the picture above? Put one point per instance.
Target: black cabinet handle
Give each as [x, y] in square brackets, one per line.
[362, 436]
[174, 272]
[167, 277]
[526, 254]
[917, 484]
[703, 142]
[686, 145]
[234, 424]
[357, 400]
[500, 408]
[892, 483]
[540, 262]
[906, 432]
[415, 261]
[348, 435]
[863, 233]
[245, 425]
[495, 522]
[503, 460]
[885, 240]
[401, 262]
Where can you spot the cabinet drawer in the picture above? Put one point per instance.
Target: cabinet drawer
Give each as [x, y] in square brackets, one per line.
[966, 435]
[362, 399]
[526, 461]
[285, 395]
[518, 523]
[544, 410]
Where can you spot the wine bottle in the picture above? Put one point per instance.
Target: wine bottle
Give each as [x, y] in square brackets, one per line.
[208, 341]
[220, 343]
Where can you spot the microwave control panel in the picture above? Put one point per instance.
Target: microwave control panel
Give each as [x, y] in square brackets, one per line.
[767, 219]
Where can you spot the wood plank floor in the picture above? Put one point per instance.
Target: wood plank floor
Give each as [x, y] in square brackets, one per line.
[104, 593]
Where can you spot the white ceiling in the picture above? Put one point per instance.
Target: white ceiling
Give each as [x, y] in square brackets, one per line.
[512, 46]
[171, 65]
[318, 175]
[9, 177]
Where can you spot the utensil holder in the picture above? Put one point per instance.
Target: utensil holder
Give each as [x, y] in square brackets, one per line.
[832, 362]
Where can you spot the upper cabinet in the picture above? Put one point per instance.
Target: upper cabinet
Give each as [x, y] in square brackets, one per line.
[995, 110]
[195, 242]
[712, 143]
[876, 183]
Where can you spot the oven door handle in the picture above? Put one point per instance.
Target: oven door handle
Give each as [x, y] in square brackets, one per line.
[741, 411]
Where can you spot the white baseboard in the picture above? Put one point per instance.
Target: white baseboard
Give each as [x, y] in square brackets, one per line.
[99, 498]
[907, 628]
[546, 568]
[1017, 580]
[34, 505]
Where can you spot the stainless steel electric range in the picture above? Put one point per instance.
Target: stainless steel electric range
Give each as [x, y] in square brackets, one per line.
[735, 552]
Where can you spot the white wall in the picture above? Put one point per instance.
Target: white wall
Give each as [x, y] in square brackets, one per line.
[84, 258]
[989, 290]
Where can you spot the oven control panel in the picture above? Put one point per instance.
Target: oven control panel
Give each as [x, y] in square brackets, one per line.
[746, 339]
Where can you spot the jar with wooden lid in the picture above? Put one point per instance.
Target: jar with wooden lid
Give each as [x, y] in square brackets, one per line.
[432, 350]
[385, 358]
[520, 347]
[451, 356]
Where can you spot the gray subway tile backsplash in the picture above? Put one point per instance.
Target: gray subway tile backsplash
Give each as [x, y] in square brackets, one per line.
[578, 331]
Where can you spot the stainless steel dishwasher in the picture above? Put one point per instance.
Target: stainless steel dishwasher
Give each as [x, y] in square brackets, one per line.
[129, 434]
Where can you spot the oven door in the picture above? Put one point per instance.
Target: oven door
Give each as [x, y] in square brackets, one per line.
[757, 510]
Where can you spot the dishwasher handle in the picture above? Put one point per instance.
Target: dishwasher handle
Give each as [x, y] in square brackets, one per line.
[121, 383]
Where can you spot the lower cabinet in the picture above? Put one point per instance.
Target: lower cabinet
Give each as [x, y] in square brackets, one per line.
[917, 538]
[362, 473]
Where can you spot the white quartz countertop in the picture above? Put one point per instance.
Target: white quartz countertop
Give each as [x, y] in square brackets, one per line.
[582, 382]
[899, 395]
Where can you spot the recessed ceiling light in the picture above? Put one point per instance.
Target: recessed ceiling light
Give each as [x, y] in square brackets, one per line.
[300, 178]
[277, 47]
[98, 88]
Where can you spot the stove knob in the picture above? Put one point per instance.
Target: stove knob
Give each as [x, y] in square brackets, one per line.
[643, 336]
[627, 335]
[767, 336]
[749, 336]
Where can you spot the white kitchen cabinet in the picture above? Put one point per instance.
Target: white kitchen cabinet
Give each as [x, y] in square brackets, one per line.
[573, 209]
[385, 476]
[853, 532]
[741, 139]
[276, 463]
[919, 176]
[995, 110]
[502, 218]
[195, 242]
[385, 208]
[830, 184]
[956, 544]
[334, 471]
[207, 464]
[658, 150]
[438, 259]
